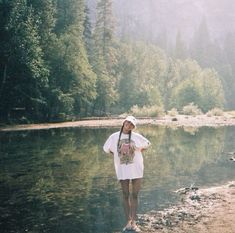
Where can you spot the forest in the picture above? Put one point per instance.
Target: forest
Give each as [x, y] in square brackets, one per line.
[63, 60]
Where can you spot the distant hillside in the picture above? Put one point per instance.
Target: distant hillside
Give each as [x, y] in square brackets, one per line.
[150, 19]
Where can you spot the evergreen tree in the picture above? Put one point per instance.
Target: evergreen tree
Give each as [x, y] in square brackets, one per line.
[104, 57]
[180, 47]
[73, 81]
[87, 33]
[168, 82]
[201, 45]
[53, 64]
[26, 73]
[45, 11]
[141, 69]
[212, 94]
[5, 8]
[228, 70]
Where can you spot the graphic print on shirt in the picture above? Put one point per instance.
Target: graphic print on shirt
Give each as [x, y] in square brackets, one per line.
[126, 151]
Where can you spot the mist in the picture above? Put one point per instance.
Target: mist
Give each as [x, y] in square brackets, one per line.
[150, 19]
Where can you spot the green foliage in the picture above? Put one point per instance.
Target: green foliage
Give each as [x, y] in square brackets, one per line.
[212, 94]
[192, 109]
[104, 58]
[227, 70]
[87, 34]
[147, 111]
[139, 68]
[105, 93]
[202, 45]
[173, 112]
[72, 75]
[215, 112]
[53, 64]
[25, 71]
[62, 104]
[193, 85]
[25, 37]
[186, 92]
[76, 63]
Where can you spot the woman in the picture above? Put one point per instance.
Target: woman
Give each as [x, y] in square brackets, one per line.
[126, 146]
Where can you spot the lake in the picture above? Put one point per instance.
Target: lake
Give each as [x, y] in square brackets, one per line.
[60, 180]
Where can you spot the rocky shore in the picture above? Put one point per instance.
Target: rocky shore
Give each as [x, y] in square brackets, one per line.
[208, 210]
[176, 121]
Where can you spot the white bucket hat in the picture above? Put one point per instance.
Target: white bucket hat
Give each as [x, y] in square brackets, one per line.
[132, 120]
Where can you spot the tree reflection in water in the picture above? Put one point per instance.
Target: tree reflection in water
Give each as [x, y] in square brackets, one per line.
[61, 180]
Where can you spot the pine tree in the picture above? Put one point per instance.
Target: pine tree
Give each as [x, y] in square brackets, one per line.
[229, 70]
[201, 45]
[5, 8]
[87, 34]
[27, 73]
[73, 81]
[180, 47]
[104, 57]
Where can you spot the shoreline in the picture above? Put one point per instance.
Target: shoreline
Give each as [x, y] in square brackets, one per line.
[176, 121]
[206, 210]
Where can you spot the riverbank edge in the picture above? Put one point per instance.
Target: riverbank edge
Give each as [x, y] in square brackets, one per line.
[176, 121]
[206, 210]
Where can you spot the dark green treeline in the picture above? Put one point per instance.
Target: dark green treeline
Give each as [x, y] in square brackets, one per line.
[55, 64]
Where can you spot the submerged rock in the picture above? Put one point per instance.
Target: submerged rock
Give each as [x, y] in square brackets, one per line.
[233, 158]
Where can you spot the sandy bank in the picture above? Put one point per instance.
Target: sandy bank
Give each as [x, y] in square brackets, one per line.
[209, 210]
[177, 121]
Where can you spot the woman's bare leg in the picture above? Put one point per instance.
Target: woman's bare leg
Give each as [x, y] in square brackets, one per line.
[136, 185]
[126, 200]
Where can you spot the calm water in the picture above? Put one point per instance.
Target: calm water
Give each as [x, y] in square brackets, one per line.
[61, 180]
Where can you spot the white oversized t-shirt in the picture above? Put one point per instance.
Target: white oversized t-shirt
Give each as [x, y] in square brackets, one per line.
[128, 159]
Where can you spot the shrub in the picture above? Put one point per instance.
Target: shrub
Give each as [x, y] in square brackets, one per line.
[191, 109]
[215, 112]
[147, 111]
[173, 112]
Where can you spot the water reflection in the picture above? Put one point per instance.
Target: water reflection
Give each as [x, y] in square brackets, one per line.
[61, 180]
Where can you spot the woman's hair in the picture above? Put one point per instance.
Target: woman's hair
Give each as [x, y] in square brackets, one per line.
[120, 134]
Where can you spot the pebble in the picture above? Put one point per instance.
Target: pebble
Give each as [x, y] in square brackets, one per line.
[195, 203]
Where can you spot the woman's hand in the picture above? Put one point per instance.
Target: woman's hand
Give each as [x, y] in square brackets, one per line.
[140, 149]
